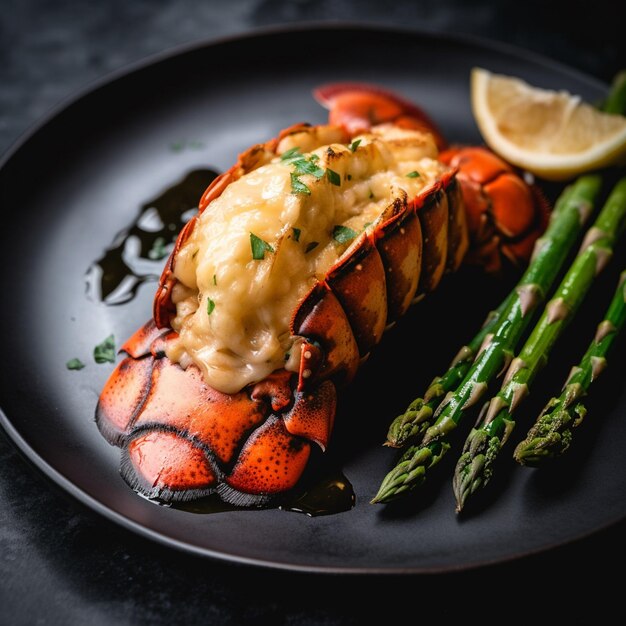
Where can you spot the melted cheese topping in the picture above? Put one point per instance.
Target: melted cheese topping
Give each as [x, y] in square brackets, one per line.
[233, 312]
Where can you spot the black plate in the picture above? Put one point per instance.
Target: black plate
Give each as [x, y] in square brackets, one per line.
[82, 175]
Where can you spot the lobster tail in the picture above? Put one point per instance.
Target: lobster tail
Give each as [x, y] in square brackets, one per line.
[183, 438]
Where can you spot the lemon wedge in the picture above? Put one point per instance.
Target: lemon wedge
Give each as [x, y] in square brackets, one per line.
[552, 134]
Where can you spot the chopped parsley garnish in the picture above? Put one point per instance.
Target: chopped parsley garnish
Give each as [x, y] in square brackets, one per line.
[302, 166]
[355, 144]
[210, 306]
[348, 176]
[259, 247]
[308, 167]
[310, 246]
[413, 174]
[158, 250]
[296, 234]
[367, 224]
[343, 234]
[215, 279]
[74, 364]
[297, 186]
[333, 177]
[292, 153]
[105, 352]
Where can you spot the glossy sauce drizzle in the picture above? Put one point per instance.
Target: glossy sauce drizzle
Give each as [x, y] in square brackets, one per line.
[331, 494]
[136, 254]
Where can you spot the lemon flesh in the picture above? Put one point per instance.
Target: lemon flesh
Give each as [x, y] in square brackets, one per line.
[552, 134]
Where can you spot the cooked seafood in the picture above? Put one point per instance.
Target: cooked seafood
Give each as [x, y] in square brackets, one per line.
[300, 256]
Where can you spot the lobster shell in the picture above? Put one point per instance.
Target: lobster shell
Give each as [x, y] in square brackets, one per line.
[182, 439]
[505, 214]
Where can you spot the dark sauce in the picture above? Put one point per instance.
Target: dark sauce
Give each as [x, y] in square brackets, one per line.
[136, 254]
[332, 493]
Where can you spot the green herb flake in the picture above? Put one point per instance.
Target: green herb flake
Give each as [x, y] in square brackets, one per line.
[158, 250]
[215, 279]
[355, 144]
[177, 146]
[348, 176]
[259, 247]
[297, 186]
[287, 355]
[367, 224]
[413, 174]
[74, 364]
[292, 153]
[105, 352]
[310, 246]
[343, 234]
[371, 196]
[308, 167]
[314, 158]
[333, 177]
[210, 306]
[296, 234]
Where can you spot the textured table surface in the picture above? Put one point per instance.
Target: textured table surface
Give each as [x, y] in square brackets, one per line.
[62, 564]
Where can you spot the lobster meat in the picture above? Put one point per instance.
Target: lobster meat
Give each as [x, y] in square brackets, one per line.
[197, 409]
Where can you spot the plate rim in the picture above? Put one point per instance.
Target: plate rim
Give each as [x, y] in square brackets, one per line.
[131, 67]
[46, 471]
[78, 495]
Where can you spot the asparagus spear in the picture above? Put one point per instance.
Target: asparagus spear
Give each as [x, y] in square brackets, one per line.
[551, 434]
[413, 423]
[550, 252]
[475, 466]
[616, 100]
[418, 415]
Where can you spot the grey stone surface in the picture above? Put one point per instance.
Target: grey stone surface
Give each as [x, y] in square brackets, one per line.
[50, 49]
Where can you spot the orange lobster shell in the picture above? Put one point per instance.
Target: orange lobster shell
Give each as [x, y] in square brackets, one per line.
[505, 214]
[181, 439]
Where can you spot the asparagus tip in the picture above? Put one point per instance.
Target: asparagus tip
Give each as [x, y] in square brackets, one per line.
[463, 479]
[475, 466]
[410, 425]
[390, 444]
[551, 435]
[377, 498]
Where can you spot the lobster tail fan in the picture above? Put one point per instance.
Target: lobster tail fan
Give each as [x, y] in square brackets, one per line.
[163, 465]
